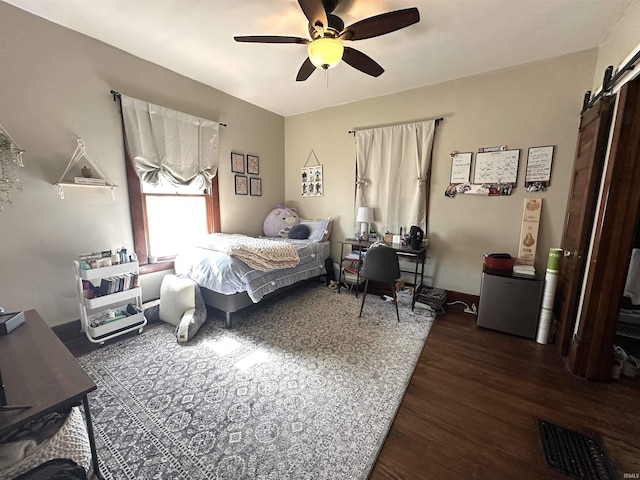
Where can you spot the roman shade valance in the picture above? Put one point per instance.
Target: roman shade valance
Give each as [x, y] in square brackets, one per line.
[169, 147]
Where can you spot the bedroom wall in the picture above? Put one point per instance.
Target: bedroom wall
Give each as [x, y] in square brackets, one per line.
[623, 41]
[531, 105]
[54, 87]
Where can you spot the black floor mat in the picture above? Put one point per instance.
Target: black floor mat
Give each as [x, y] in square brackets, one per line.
[575, 454]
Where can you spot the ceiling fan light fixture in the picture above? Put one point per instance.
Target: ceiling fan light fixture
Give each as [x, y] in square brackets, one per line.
[325, 52]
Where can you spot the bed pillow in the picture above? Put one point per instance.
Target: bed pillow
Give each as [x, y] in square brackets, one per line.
[299, 232]
[319, 229]
[327, 232]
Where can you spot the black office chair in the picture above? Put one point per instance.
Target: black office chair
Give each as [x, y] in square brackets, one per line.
[381, 265]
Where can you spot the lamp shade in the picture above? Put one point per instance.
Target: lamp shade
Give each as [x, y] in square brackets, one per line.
[365, 214]
[325, 52]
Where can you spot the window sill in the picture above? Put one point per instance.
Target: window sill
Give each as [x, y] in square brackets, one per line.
[156, 267]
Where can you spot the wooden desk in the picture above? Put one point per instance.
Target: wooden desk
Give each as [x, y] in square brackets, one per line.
[419, 256]
[39, 371]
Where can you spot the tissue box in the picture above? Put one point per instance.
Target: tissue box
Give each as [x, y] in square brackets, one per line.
[10, 321]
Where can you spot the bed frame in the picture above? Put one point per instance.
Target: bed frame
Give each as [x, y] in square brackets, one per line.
[232, 303]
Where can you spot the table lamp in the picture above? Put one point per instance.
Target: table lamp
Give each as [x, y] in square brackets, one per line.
[365, 217]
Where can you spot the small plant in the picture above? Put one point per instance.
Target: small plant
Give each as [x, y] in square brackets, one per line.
[10, 161]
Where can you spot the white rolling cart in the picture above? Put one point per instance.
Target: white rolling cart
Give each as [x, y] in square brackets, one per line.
[90, 307]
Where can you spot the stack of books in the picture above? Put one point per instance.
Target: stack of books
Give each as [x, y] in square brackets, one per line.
[524, 270]
[118, 283]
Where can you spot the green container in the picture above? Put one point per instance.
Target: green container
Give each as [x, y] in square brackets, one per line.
[555, 255]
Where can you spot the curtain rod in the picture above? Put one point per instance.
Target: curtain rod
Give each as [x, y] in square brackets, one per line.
[353, 132]
[609, 81]
[116, 96]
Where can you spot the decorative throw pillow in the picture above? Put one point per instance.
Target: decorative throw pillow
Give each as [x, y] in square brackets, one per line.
[299, 232]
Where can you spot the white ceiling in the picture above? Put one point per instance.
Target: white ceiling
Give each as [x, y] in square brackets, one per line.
[454, 38]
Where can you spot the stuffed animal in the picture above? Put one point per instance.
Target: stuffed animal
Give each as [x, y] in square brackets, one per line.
[279, 221]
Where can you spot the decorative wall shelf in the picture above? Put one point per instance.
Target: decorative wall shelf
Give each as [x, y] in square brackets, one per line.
[87, 179]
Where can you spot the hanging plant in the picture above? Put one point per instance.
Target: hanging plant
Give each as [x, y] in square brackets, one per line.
[10, 161]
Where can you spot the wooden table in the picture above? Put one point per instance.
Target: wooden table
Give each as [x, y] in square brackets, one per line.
[39, 371]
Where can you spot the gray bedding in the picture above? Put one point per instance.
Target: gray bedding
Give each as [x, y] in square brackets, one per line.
[228, 275]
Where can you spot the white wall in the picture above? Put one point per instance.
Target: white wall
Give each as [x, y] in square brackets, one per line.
[623, 40]
[521, 107]
[54, 86]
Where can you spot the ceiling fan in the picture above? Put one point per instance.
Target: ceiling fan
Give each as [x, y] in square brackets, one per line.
[327, 32]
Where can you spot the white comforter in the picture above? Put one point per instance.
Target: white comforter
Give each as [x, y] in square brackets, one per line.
[228, 275]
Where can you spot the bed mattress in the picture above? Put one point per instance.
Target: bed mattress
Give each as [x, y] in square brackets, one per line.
[228, 275]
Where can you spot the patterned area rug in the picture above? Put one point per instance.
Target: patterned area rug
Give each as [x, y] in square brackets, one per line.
[300, 388]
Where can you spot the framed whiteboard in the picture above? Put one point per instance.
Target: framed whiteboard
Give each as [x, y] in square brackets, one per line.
[460, 168]
[496, 167]
[539, 165]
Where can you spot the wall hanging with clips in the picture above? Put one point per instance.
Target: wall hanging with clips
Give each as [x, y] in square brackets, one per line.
[311, 176]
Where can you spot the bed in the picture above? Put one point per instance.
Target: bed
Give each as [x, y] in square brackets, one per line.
[229, 284]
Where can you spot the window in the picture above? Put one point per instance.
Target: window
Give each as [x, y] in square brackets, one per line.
[164, 220]
[171, 163]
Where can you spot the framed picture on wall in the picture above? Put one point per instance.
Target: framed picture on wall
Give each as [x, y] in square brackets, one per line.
[241, 185]
[255, 186]
[253, 164]
[237, 162]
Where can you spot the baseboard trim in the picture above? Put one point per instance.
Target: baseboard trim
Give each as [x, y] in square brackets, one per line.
[467, 298]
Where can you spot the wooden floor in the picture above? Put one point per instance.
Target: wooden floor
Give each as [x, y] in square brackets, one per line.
[471, 407]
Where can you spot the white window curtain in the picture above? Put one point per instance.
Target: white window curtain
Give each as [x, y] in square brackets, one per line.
[169, 147]
[393, 167]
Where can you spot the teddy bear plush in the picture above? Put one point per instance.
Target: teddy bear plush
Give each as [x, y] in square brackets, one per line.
[279, 221]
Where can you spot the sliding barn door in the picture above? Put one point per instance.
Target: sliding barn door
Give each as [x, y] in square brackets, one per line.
[590, 352]
[583, 194]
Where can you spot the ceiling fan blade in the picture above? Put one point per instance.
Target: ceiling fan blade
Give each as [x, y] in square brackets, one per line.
[270, 39]
[362, 62]
[381, 24]
[314, 11]
[305, 71]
